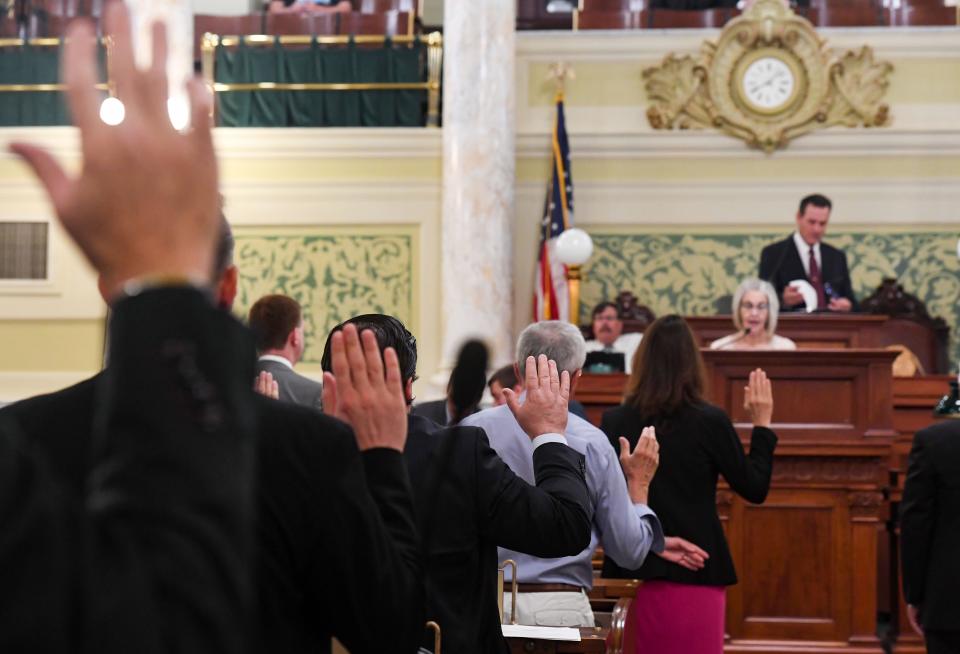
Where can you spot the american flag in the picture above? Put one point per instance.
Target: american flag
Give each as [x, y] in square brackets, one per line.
[551, 299]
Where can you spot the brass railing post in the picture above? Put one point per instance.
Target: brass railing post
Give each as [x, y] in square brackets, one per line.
[434, 70]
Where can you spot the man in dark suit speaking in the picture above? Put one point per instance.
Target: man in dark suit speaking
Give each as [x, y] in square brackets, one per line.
[930, 536]
[803, 256]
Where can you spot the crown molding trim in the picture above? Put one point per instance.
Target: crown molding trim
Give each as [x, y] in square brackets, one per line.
[626, 45]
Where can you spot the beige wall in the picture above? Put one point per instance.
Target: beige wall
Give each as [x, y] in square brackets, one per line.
[327, 183]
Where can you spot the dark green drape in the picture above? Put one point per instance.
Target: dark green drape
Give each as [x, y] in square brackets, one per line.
[28, 64]
[316, 64]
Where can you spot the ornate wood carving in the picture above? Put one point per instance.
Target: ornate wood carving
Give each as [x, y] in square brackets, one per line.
[891, 300]
[827, 470]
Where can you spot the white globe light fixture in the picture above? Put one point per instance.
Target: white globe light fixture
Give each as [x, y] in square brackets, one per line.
[573, 248]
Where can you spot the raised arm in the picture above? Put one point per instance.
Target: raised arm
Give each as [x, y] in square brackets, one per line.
[156, 556]
[749, 474]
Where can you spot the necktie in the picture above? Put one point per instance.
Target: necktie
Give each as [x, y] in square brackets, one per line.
[817, 282]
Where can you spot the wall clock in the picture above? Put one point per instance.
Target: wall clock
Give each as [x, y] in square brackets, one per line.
[767, 79]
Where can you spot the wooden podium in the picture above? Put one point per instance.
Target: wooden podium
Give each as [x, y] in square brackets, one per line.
[807, 330]
[806, 558]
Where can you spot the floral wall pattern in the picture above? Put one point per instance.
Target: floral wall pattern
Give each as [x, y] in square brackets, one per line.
[687, 273]
[334, 276]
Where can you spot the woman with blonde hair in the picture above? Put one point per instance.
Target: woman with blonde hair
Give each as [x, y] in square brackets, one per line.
[756, 309]
[680, 610]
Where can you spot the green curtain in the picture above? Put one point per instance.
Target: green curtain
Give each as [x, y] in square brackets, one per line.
[28, 64]
[347, 64]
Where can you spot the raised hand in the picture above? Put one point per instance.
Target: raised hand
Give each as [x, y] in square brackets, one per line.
[758, 398]
[145, 203]
[366, 391]
[640, 465]
[266, 385]
[544, 410]
[683, 553]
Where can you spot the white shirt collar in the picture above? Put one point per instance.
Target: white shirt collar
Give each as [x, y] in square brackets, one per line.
[277, 359]
[804, 251]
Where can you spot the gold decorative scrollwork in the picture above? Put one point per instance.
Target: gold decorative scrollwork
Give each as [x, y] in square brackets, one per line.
[821, 89]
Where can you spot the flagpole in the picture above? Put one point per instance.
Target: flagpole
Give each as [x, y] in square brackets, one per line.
[559, 73]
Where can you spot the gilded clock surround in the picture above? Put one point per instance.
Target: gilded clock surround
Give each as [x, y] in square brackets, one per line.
[706, 92]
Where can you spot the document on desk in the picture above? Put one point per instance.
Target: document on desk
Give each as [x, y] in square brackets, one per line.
[541, 633]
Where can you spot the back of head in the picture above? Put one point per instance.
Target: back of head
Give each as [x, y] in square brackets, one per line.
[468, 379]
[668, 372]
[389, 332]
[505, 376]
[272, 318]
[560, 341]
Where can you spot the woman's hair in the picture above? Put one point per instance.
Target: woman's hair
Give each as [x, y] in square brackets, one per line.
[668, 371]
[773, 304]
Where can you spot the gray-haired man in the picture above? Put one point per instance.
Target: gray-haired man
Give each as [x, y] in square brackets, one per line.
[553, 591]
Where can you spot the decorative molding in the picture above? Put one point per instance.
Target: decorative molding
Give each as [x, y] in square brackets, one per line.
[259, 143]
[914, 205]
[864, 500]
[330, 143]
[834, 470]
[348, 203]
[629, 45]
[705, 145]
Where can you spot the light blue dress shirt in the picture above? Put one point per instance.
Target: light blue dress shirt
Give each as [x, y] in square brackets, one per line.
[626, 530]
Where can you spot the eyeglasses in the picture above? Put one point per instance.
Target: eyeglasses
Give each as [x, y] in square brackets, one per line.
[760, 308]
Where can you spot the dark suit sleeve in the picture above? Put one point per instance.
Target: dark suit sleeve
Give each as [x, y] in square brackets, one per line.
[748, 474]
[549, 520]
[771, 268]
[767, 258]
[156, 557]
[383, 593]
[917, 518]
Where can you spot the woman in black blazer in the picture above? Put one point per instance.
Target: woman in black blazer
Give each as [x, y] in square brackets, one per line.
[676, 609]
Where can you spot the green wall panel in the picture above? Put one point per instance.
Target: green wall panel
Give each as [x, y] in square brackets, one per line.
[334, 276]
[675, 272]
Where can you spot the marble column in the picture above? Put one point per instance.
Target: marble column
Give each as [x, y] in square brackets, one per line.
[478, 175]
[178, 16]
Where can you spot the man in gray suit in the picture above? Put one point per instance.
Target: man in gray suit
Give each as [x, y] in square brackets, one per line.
[277, 324]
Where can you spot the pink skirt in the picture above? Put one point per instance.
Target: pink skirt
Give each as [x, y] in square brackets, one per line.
[671, 618]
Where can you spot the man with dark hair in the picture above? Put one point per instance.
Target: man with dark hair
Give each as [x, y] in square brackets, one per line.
[505, 377]
[608, 334]
[151, 550]
[468, 501]
[132, 515]
[802, 264]
[277, 324]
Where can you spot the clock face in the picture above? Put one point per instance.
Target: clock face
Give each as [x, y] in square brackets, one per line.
[768, 84]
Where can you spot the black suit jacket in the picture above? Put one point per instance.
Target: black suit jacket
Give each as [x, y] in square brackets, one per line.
[469, 502]
[151, 549]
[930, 526]
[780, 264]
[337, 541]
[434, 410]
[696, 445]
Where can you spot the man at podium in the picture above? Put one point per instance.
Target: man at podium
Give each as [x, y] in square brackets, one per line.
[809, 275]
